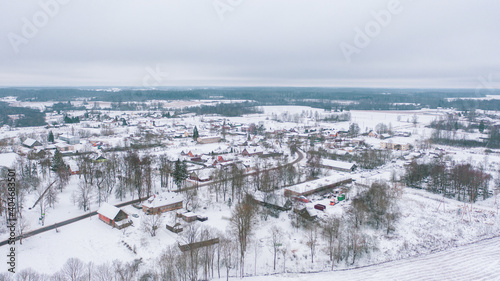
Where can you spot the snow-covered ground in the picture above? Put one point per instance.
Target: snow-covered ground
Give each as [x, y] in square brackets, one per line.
[476, 261]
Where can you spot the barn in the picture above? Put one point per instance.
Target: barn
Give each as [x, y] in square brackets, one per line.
[30, 143]
[113, 216]
[337, 165]
[314, 186]
[162, 203]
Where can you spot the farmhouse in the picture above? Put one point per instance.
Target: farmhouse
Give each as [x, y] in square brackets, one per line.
[162, 203]
[30, 143]
[64, 148]
[311, 187]
[200, 175]
[337, 165]
[251, 151]
[70, 139]
[113, 216]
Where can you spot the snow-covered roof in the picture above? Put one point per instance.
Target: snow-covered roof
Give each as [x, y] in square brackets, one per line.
[8, 159]
[315, 184]
[337, 164]
[29, 142]
[108, 210]
[163, 199]
[73, 166]
[254, 149]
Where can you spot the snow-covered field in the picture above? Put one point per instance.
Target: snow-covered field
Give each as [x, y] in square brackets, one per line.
[476, 261]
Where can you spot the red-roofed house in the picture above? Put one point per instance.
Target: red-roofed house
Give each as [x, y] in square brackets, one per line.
[113, 216]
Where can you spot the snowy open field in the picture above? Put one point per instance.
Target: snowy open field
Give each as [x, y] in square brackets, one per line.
[476, 261]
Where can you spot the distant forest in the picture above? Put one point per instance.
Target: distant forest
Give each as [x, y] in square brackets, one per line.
[325, 98]
[363, 98]
[20, 116]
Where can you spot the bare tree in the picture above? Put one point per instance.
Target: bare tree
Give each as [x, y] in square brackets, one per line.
[330, 231]
[229, 248]
[73, 269]
[27, 274]
[147, 174]
[166, 263]
[242, 223]
[191, 235]
[276, 242]
[357, 242]
[165, 169]
[151, 223]
[312, 240]
[103, 272]
[22, 226]
[84, 195]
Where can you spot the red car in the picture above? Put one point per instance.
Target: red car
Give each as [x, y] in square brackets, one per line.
[320, 207]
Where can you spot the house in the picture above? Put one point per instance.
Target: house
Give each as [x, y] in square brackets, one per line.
[204, 140]
[337, 165]
[73, 168]
[113, 216]
[251, 151]
[384, 136]
[395, 146]
[189, 216]
[62, 147]
[175, 228]
[373, 134]
[200, 175]
[162, 203]
[70, 139]
[30, 143]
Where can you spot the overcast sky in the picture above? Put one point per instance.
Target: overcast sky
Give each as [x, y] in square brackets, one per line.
[353, 43]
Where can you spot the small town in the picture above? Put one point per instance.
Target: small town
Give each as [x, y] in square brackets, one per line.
[284, 189]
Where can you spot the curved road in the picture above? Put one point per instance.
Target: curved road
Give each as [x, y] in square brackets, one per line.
[59, 224]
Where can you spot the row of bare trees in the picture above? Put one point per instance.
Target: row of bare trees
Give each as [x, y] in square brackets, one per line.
[76, 270]
[462, 181]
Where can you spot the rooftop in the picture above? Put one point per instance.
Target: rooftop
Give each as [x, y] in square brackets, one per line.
[162, 200]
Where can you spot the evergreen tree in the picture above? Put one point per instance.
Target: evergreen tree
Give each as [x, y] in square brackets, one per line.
[57, 161]
[481, 126]
[180, 172]
[51, 137]
[195, 133]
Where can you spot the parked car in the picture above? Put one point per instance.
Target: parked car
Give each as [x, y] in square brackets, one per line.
[201, 218]
[320, 207]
